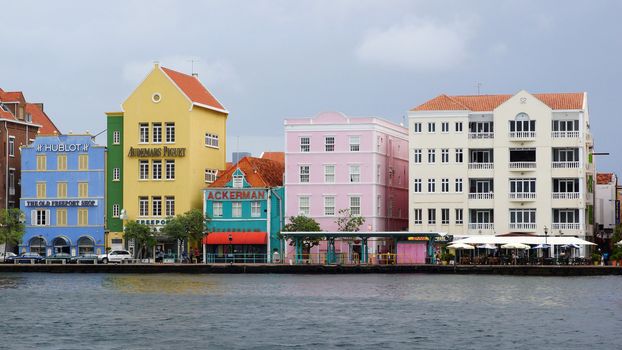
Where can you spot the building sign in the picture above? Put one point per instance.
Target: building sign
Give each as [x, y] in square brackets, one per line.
[157, 152]
[62, 147]
[157, 223]
[62, 203]
[235, 194]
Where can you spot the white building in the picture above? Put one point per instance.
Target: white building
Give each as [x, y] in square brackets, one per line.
[498, 164]
[605, 206]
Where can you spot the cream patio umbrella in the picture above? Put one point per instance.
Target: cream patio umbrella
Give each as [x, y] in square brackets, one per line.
[461, 246]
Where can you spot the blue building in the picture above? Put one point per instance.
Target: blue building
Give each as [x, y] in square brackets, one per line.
[63, 186]
[245, 210]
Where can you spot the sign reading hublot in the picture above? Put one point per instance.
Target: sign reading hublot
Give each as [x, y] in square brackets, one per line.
[62, 147]
[62, 203]
[157, 152]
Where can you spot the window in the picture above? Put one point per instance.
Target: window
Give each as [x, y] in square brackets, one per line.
[526, 185]
[522, 126]
[431, 216]
[431, 185]
[236, 209]
[481, 129]
[12, 146]
[566, 185]
[115, 211]
[61, 217]
[445, 185]
[40, 217]
[116, 137]
[329, 173]
[305, 144]
[211, 140]
[143, 133]
[156, 169]
[355, 173]
[61, 189]
[459, 216]
[444, 127]
[418, 217]
[41, 190]
[116, 174]
[565, 154]
[417, 153]
[329, 206]
[565, 125]
[459, 155]
[304, 173]
[143, 169]
[83, 162]
[238, 181]
[459, 185]
[444, 216]
[41, 162]
[255, 209]
[83, 217]
[61, 162]
[217, 209]
[458, 126]
[481, 156]
[143, 206]
[83, 189]
[355, 205]
[157, 132]
[431, 127]
[378, 205]
[431, 156]
[170, 132]
[170, 170]
[566, 216]
[355, 143]
[522, 155]
[417, 186]
[210, 175]
[329, 145]
[417, 128]
[303, 205]
[170, 206]
[445, 155]
[522, 218]
[156, 206]
[12, 180]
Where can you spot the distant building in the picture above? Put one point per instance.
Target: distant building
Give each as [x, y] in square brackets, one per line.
[606, 206]
[236, 156]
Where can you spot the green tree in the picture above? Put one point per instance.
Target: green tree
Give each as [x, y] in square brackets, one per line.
[302, 223]
[11, 227]
[185, 228]
[176, 230]
[346, 222]
[143, 237]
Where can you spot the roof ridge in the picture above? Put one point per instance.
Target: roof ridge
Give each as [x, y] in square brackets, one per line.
[457, 102]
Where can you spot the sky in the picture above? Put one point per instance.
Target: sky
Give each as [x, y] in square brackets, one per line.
[271, 60]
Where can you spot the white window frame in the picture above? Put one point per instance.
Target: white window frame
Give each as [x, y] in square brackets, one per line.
[431, 185]
[143, 133]
[11, 146]
[211, 140]
[355, 205]
[116, 174]
[431, 156]
[304, 173]
[305, 144]
[217, 209]
[156, 205]
[116, 137]
[459, 155]
[156, 169]
[417, 155]
[143, 169]
[445, 155]
[354, 173]
[169, 132]
[236, 209]
[417, 186]
[255, 209]
[157, 132]
[444, 127]
[329, 205]
[431, 216]
[444, 216]
[143, 206]
[115, 210]
[170, 169]
[329, 173]
[458, 127]
[431, 127]
[210, 175]
[170, 206]
[355, 143]
[459, 216]
[459, 185]
[445, 185]
[417, 128]
[304, 208]
[418, 216]
[329, 143]
[238, 181]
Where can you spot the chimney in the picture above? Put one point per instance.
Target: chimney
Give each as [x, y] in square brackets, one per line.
[40, 106]
[196, 75]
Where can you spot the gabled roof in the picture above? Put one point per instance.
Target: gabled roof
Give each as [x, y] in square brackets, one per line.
[604, 178]
[194, 90]
[12, 96]
[259, 173]
[487, 103]
[39, 117]
[275, 156]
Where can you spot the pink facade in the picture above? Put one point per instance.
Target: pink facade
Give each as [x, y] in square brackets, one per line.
[335, 162]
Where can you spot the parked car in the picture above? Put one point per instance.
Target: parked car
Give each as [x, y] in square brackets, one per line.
[8, 255]
[115, 256]
[58, 258]
[88, 258]
[27, 257]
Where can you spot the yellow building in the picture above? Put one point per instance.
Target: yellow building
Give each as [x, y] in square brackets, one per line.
[164, 148]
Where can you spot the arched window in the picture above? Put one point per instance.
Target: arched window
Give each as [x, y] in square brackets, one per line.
[522, 126]
[37, 245]
[86, 245]
[61, 245]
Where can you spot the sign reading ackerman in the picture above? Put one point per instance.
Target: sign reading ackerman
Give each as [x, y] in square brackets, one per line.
[62, 203]
[157, 152]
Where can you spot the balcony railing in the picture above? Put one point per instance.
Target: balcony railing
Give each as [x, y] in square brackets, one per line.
[565, 165]
[522, 165]
[565, 134]
[523, 195]
[482, 226]
[481, 165]
[566, 195]
[522, 135]
[481, 135]
[522, 226]
[566, 226]
[488, 195]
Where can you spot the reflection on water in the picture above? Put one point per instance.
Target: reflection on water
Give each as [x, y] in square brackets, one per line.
[10, 281]
[164, 284]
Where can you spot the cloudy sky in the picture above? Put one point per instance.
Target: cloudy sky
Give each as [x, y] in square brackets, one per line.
[270, 60]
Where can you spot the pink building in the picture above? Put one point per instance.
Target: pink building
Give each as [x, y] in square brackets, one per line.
[335, 162]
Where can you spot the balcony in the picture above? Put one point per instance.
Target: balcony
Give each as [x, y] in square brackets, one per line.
[482, 226]
[565, 134]
[481, 135]
[565, 165]
[566, 226]
[566, 195]
[11, 191]
[522, 165]
[522, 135]
[481, 166]
[522, 226]
[487, 195]
[523, 195]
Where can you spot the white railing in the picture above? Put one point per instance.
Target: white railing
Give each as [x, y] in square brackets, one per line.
[482, 226]
[481, 166]
[565, 165]
[565, 134]
[522, 226]
[523, 195]
[522, 165]
[566, 226]
[481, 135]
[489, 195]
[522, 134]
[566, 195]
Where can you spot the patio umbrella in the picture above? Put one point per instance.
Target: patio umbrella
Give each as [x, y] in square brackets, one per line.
[487, 246]
[575, 246]
[542, 246]
[515, 246]
[461, 246]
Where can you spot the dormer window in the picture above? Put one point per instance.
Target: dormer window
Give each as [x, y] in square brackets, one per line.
[28, 118]
[238, 181]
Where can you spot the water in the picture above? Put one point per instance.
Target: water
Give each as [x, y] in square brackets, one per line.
[176, 311]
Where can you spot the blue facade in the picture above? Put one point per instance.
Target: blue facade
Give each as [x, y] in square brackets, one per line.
[63, 186]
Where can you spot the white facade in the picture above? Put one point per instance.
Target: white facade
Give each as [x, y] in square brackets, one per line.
[605, 205]
[499, 164]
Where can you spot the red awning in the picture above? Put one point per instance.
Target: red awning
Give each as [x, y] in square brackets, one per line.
[236, 238]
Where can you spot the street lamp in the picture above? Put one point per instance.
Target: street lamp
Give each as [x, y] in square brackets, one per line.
[40, 241]
[231, 247]
[546, 235]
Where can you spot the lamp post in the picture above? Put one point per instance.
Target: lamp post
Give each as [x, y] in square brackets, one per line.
[40, 241]
[546, 233]
[231, 247]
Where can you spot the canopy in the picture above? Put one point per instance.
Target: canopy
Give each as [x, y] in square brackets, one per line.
[492, 239]
[515, 246]
[542, 246]
[236, 238]
[460, 246]
[487, 246]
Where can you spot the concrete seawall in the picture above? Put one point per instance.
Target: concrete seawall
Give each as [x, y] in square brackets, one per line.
[319, 269]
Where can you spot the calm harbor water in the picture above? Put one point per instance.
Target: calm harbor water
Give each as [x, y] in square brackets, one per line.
[176, 311]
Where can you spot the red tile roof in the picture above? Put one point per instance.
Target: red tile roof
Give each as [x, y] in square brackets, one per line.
[275, 156]
[192, 87]
[259, 173]
[604, 178]
[12, 96]
[39, 117]
[486, 103]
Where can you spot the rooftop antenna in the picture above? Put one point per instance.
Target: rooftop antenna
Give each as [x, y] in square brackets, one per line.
[479, 85]
[192, 66]
[99, 133]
